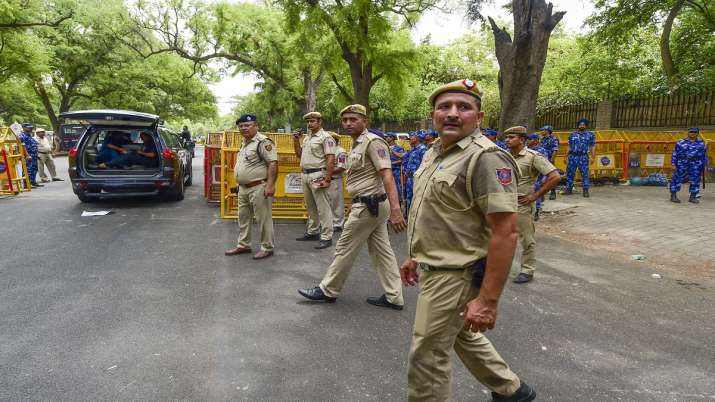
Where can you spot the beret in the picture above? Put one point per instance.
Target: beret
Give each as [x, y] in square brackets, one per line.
[376, 132]
[693, 130]
[490, 132]
[27, 125]
[466, 86]
[390, 134]
[520, 130]
[532, 136]
[419, 134]
[547, 128]
[246, 118]
[312, 115]
[359, 109]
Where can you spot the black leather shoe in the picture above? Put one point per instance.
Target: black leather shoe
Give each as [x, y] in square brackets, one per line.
[524, 394]
[316, 294]
[674, 197]
[323, 244]
[693, 199]
[57, 179]
[36, 185]
[585, 193]
[523, 278]
[536, 215]
[309, 237]
[552, 194]
[382, 302]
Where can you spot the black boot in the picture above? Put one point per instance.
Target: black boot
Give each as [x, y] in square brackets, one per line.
[552, 194]
[693, 198]
[674, 197]
[585, 193]
[567, 191]
[536, 215]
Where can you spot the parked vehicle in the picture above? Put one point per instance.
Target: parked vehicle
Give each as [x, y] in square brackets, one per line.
[113, 158]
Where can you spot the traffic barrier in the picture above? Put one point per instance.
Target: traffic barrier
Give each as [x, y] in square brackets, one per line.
[212, 167]
[611, 155]
[288, 198]
[14, 177]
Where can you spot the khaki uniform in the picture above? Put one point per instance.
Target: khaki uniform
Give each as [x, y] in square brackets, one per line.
[315, 150]
[44, 158]
[531, 164]
[251, 166]
[455, 189]
[369, 155]
[335, 191]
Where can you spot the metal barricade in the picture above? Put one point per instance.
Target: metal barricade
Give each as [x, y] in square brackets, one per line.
[650, 151]
[611, 156]
[14, 177]
[212, 167]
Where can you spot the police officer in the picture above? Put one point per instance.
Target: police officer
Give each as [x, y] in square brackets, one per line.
[396, 155]
[533, 165]
[492, 135]
[466, 186]
[255, 171]
[374, 201]
[31, 149]
[335, 191]
[412, 163]
[689, 159]
[582, 143]
[550, 143]
[317, 160]
[44, 154]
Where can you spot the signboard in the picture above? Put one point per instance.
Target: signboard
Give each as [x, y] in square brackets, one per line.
[293, 184]
[69, 134]
[606, 161]
[655, 160]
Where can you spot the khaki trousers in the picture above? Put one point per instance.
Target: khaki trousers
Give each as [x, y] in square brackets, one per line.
[337, 203]
[438, 329]
[525, 225]
[46, 160]
[362, 227]
[252, 203]
[317, 202]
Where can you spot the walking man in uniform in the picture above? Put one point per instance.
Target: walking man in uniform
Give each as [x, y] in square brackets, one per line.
[31, 150]
[44, 157]
[255, 171]
[492, 135]
[533, 165]
[550, 143]
[466, 190]
[396, 154]
[374, 201]
[335, 191]
[689, 159]
[317, 160]
[412, 163]
[582, 150]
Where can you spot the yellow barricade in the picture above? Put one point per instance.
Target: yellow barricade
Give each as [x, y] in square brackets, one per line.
[212, 167]
[288, 199]
[13, 168]
[611, 155]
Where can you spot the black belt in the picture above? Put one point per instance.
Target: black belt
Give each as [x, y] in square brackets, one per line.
[44, 153]
[366, 199]
[309, 171]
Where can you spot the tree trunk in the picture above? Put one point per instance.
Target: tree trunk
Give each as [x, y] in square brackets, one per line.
[47, 103]
[310, 89]
[521, 61]
[671, 72]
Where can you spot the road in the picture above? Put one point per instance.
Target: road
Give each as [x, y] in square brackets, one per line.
[143, 305]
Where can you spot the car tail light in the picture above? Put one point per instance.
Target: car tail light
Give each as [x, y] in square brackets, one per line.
[83, 184]
[72, 153]
[168, 154]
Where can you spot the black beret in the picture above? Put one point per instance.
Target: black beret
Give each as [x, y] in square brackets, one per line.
[245, 118]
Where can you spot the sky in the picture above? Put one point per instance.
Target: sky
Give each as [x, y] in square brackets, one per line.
[441, 27]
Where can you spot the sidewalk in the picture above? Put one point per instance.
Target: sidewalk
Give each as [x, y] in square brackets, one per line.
[630, 220]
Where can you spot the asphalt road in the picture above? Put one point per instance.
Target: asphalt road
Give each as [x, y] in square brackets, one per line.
[143, 305]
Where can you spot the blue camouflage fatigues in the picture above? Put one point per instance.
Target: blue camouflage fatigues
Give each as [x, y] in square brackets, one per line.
[501, 144]
[31, 148]
[689, 158]
[579, 144]
[410, 166]
[397, 167]
[550, 144]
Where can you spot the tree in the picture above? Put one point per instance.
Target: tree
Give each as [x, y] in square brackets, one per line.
[364, 31]
[24, 14]
[521, 61]
[616, 22]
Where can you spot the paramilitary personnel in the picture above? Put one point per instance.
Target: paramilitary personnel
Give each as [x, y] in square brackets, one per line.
[370, 184]
[582, 150]
[465, 207]
[31, 150]
[317, 160]
[689, 159]
[255, 171]
[335, 191]
[396, 155]
[492, 135]
[532, 165]
[550, 143]
[411, 163]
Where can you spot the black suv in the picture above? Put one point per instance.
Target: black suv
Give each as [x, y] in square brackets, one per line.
[125, 153]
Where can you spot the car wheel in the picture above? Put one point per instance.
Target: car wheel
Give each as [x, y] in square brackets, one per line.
[83, 196]
[177, 192]
[190, 180]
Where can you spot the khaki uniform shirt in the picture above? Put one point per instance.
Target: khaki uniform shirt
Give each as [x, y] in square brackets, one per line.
[315, 150]
[369, 155]
[531, 164]
[43, 144]
[447, 226]
[249, 166]
[341, 159]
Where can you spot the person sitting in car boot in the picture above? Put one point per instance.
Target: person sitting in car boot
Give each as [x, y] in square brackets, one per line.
[147, 156]
[113, 146]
